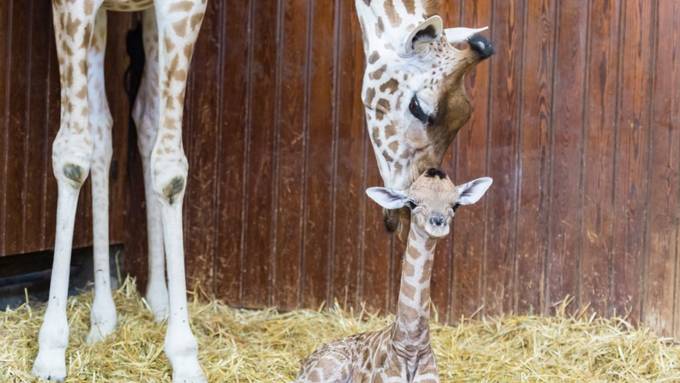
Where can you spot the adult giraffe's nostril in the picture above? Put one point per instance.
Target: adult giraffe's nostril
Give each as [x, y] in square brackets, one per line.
[481, 45]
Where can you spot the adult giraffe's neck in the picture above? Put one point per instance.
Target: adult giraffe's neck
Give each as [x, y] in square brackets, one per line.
[411, 328]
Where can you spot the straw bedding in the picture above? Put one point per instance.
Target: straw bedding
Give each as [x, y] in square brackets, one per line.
[266, 346]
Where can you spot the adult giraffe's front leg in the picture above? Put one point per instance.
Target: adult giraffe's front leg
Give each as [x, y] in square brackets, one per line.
[103, 315]
[71, 158]
[178, 25]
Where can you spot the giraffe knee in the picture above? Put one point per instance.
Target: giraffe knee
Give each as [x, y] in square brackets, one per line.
[75, 173]
[169, 178]
[174, 188]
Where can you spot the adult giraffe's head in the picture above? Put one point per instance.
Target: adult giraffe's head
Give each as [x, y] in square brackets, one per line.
[413, 90]
[432, 199]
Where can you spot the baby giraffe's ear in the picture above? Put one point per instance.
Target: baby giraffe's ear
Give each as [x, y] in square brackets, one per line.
[387, 198]
[471, 192]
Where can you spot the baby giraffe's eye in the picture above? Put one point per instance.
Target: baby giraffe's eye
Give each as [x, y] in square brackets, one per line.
[418, 112]
[455, 206]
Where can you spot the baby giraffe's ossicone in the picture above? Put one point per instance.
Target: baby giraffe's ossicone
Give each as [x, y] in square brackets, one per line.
[401, 352]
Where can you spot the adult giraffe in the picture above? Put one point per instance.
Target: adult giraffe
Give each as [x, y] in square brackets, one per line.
[83, 145]
[413, 90]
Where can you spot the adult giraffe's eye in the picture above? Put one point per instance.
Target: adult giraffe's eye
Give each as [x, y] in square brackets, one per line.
[417, 111]
[411, 204]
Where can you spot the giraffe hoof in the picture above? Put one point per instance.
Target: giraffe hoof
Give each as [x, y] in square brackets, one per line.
[50, 365]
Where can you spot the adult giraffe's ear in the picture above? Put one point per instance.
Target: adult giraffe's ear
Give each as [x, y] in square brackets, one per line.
[473, 191]
[422, 35]
[388, 198]
[461, 35]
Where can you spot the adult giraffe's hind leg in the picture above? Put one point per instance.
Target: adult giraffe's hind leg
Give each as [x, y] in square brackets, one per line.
[145, 115]
[71, 158]
[103, 315]
[178, 25]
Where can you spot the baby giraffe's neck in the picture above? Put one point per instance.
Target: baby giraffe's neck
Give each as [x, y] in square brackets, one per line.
[411, 333]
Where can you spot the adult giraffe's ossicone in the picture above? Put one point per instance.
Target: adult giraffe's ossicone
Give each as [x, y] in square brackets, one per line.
[413, 90]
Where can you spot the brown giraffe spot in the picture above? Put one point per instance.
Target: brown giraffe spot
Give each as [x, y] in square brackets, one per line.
[408, 311]
[169, 123]
[373, 57]
[390, 130]
[89, 7]
[375, 134]
[83, 67]
[82, 93]
[377, 74]
[182, 6]
[87, 36]
[391, 12]
[180, 27]
[180, 75]
[408, 290]
[387, 156]
[425, 294]
[394, 145]
[413, 253]
[427, 271]
[410, 6]
[383, 104]
[379, 27]
[169, 45]
[390, 86]
[195, 21]
[408, 269]
[187, 50]
[71, 25]
[370, 94]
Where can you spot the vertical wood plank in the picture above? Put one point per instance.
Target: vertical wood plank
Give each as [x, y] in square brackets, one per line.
[319, 157]
[351, 138]
[535, 148]
[599, 137]
[17, 127]
[201, 139]
[565, 178]
[664, 175]
[469, 227]
[5, 43]
[292, 61]
[631, 155]
[502, 153]
[259, 152]
[237, 51]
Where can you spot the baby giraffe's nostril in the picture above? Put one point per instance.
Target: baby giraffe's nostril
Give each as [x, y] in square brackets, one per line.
[437, 220]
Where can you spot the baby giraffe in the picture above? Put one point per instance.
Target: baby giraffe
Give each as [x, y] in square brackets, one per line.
[401, 352]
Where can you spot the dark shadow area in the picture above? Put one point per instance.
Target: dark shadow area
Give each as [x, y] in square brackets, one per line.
[27, 276]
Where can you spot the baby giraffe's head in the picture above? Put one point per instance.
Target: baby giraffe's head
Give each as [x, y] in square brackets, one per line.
[433, 200]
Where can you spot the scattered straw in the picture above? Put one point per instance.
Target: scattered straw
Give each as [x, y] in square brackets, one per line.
[266, 346]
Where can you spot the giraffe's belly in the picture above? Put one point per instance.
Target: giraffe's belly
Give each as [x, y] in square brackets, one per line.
[127, 5]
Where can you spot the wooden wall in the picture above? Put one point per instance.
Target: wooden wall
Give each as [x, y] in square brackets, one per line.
[577, 119]
[29, 120]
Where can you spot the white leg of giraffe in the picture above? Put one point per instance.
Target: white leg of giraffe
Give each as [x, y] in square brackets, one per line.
[178, 27]
[103, 315]
[71, 158]
[145, 114]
